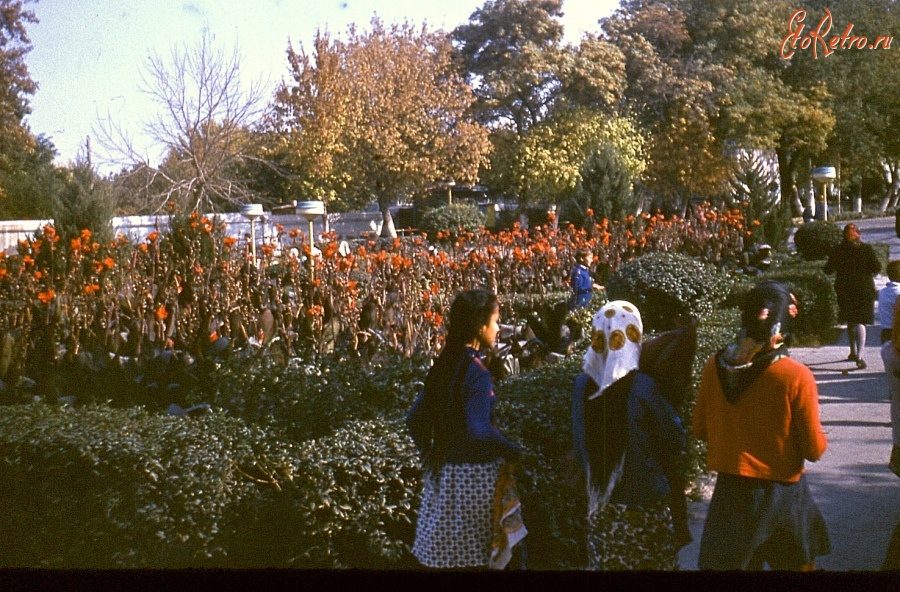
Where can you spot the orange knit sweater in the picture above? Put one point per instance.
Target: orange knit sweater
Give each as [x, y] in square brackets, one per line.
[771, 429]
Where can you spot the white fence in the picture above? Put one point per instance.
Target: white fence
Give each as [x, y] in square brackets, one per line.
[346, 225]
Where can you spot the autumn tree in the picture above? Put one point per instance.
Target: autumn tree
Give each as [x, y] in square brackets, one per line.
[548, 105]
[204, 126]
[863, 93]
[674, 95]
[510, 51]
[764, 104]
[26, 162]
[547, 165]
[380, 114]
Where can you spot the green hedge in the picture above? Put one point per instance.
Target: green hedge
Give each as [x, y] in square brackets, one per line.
[304, 401]
[104, 488]
[816, 240]
[451, 219]
[665, 286]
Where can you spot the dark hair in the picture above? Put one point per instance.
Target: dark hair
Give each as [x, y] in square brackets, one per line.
[893, 270]
[771, 295]
[470, 311]
[581, 255]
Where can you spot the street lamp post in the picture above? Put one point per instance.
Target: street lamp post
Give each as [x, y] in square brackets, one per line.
[310, 210]
[252, 212]
[824, 175]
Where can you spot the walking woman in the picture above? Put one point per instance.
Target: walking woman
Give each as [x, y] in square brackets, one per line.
[758, 410]
[630, 442]
[854, 265]
[452, 424]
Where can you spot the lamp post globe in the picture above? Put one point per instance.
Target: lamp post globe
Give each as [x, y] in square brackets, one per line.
[252, 212]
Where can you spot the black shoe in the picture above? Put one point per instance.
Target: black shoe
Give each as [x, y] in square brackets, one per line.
[894, 464]
[861, 364]
[852, 358]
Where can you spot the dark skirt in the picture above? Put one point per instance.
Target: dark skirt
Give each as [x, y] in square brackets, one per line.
[855, 309]
[756, 521]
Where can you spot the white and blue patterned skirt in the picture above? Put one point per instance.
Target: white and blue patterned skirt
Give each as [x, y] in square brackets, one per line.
[454, 527]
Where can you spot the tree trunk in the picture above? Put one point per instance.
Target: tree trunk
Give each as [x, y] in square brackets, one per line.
[387, 221]
[790, 196]
[893, 178]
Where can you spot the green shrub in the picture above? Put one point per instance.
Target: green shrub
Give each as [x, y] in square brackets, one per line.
[883, 252]
[350, 504]
[103, 488]
[816, 240]
[665, 286]
[535, 410]
[452, 219]
[106, 488]
[304, 401]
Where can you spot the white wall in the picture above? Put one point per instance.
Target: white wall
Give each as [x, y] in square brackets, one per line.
[347, 225]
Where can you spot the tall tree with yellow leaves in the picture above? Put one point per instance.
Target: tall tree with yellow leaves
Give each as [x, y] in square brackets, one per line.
[379, 115]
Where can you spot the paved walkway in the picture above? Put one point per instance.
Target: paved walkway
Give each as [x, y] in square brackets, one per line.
[858, 495]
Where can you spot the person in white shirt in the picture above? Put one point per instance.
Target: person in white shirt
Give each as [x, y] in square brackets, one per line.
[887, 296]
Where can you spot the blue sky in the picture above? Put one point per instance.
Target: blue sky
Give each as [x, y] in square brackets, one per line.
[88, 55]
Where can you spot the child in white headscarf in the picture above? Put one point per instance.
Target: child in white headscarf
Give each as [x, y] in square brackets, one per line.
[630, 441]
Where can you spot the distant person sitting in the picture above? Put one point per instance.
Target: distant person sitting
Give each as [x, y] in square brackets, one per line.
[887, 296]
[580, 280]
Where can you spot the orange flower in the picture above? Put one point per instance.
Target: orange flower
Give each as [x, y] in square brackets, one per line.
[153, 236]
[161, 313]
[3, 272]
[229, 241]
[46, 297]
[27, 260]
[109, 263]
[90, 289]
[38, 275]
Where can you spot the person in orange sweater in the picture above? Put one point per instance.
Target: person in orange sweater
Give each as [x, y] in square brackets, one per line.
[758, 411]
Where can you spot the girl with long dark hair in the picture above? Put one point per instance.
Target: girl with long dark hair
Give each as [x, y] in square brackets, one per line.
[452, 424]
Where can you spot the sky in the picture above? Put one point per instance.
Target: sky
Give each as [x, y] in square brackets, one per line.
[88, 55]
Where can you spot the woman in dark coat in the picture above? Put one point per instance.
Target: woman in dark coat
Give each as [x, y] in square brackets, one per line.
[854, 264]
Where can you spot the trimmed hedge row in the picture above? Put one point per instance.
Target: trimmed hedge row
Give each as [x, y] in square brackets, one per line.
[106, 488]
[100, 488]
[665, 286]
[96, 487]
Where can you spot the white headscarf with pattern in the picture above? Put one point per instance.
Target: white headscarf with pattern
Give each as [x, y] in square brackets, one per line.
[615, 343]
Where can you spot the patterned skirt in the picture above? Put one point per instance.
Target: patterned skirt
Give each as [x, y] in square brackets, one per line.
[620, 538]
[454, 528]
